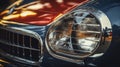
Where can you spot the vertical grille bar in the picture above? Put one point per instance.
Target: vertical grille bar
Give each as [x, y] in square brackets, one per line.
[13, 51]
[23, 46]
[30, 50]
[17, 44]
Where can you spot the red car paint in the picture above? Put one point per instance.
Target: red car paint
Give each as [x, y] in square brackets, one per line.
[43, 12]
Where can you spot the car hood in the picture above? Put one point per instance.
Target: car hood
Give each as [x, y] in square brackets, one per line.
[41, 12]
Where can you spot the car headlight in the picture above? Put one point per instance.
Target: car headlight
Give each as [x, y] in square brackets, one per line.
[79, 34]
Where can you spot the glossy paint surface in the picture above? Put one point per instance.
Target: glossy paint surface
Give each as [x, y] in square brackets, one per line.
[42, 12]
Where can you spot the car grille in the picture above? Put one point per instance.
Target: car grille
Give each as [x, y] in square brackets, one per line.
[20, 45]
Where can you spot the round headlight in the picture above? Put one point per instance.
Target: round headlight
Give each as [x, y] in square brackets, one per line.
[79, 34]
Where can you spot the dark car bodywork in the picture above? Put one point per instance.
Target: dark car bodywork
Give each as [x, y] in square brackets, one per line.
[47, 15]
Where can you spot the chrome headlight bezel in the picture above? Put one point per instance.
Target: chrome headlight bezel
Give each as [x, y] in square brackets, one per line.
[102, 45]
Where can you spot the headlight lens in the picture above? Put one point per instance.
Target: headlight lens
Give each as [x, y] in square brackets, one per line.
[77, 34]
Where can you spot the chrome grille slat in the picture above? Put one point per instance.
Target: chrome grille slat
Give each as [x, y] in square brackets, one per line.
[30, 50]
[17, 49]
[87, 31]
[20, 45]
[97, 32]
[97, 25]
[23, 46]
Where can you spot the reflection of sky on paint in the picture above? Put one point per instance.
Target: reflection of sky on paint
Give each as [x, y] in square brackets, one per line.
[114, 15]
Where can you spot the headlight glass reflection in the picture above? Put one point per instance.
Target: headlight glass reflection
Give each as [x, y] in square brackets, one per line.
[76, 34]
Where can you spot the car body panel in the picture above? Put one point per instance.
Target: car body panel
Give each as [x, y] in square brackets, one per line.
[42, 12]
[110, 7]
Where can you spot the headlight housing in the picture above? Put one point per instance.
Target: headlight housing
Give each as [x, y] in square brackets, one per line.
[79, 34]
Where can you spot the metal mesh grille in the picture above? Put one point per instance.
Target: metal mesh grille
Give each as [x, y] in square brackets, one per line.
[23, 46]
